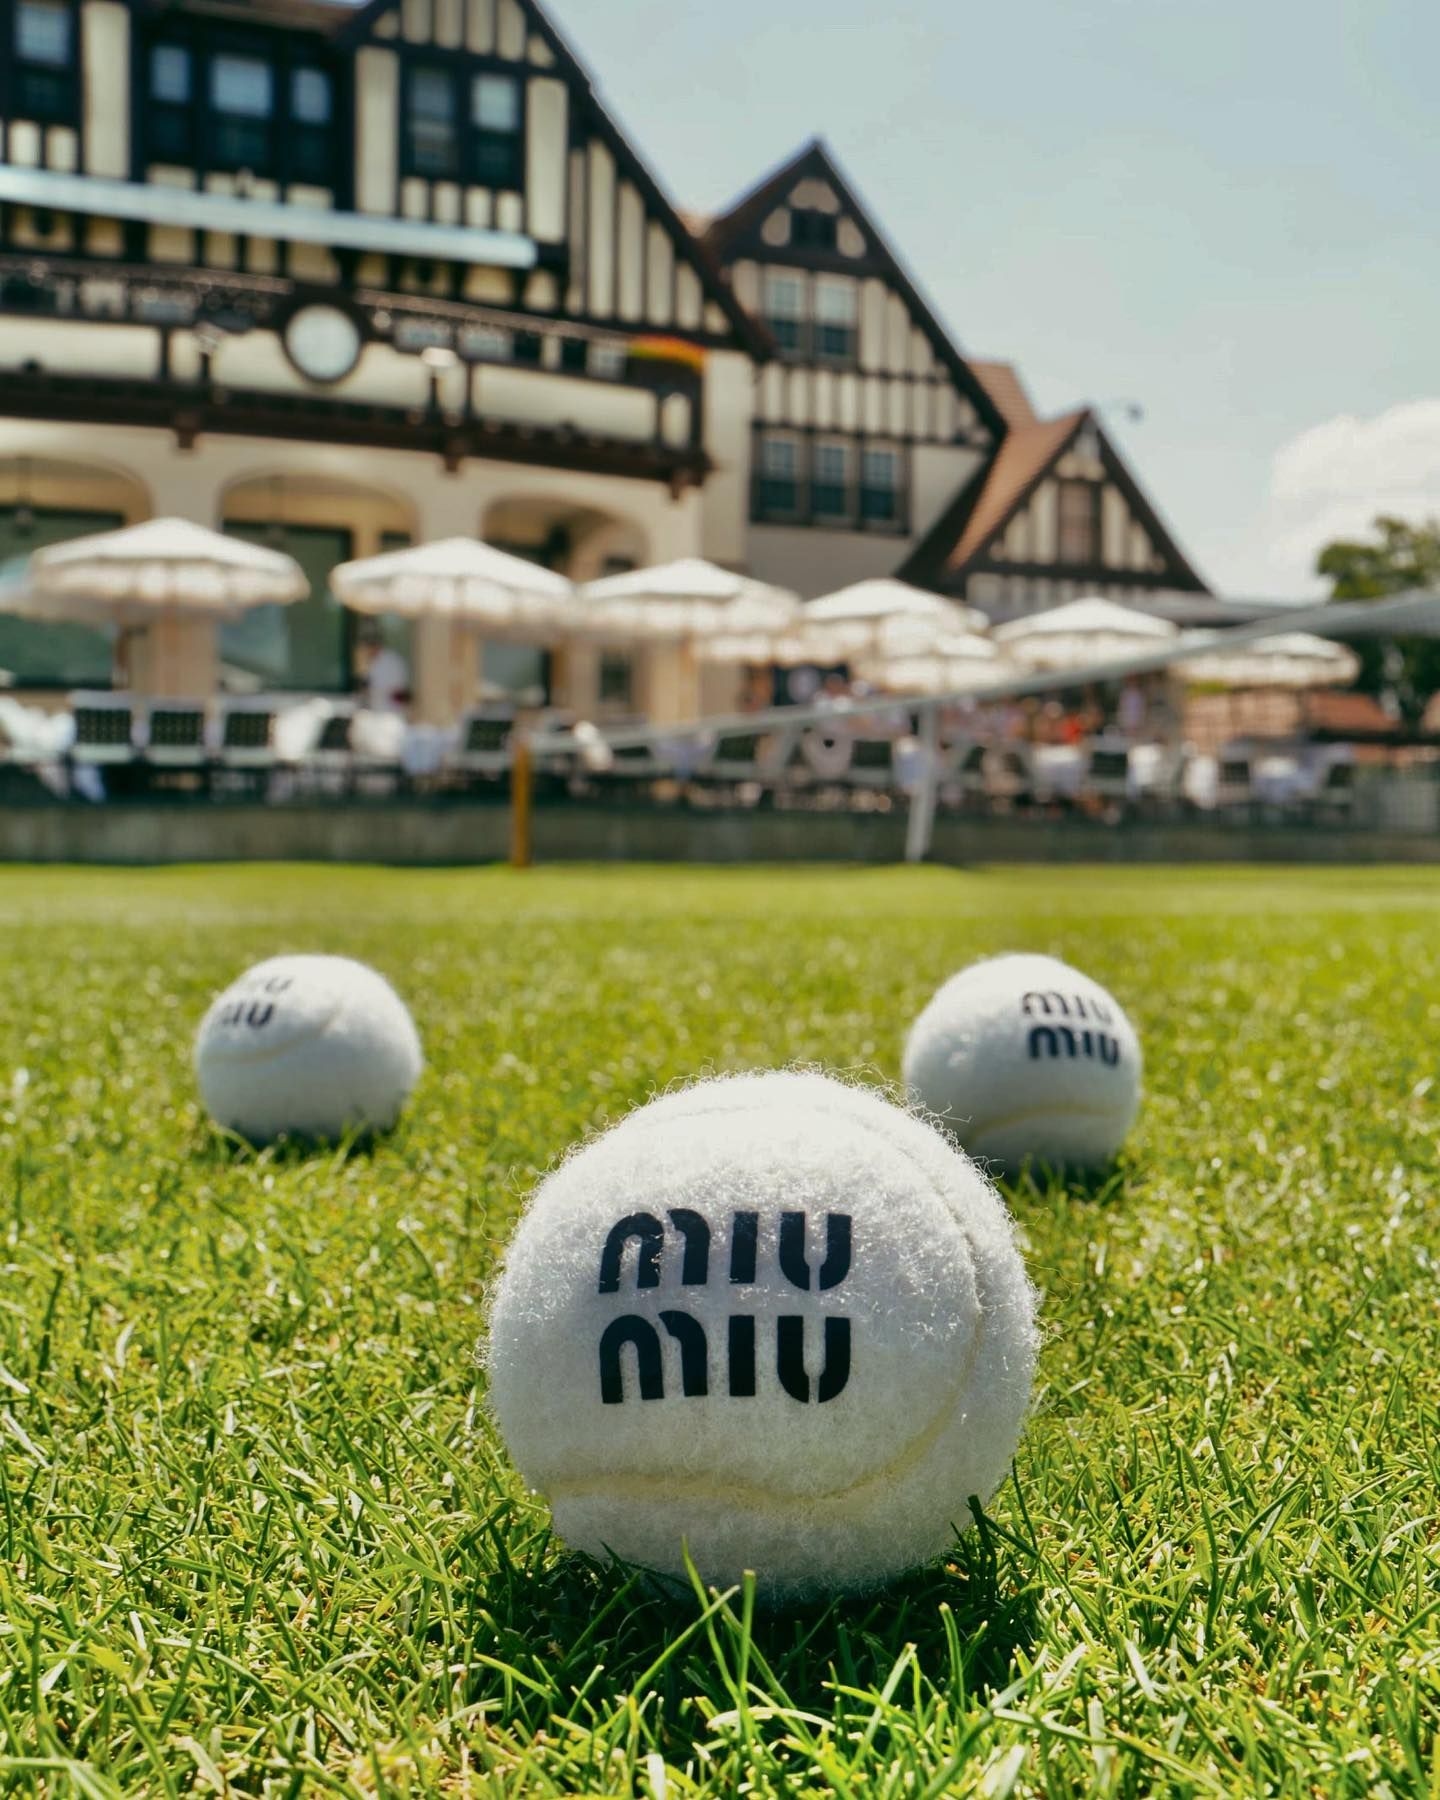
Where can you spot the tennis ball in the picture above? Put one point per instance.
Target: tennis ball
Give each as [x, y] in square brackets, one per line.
[770, 1318]
[1023, 1056]
[310, 1045]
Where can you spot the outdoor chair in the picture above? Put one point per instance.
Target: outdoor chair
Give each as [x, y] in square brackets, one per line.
[175, 734]
[1107, 772]
[245, 757]
[485, 751]
[104, 730]
[1334, 800]
[872, 762]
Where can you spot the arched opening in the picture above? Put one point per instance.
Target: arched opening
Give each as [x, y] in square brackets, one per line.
[583, 542]
[314, 646]
[44, 500]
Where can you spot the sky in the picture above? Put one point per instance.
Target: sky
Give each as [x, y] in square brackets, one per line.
[1226, 212]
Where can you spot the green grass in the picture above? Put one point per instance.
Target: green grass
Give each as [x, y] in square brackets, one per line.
[256, 1536]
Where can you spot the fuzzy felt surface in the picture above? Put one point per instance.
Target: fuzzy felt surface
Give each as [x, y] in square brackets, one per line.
[312, 1046]
[858, 1320]
[1023, 1057]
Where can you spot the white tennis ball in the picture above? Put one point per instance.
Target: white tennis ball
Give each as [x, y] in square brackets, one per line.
[1023, 1056]
[774, 1319]
[310, 1045]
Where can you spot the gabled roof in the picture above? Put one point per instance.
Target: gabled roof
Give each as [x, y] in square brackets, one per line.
[981, 511]
[1002, 382]
[816, 160]
[348, 24]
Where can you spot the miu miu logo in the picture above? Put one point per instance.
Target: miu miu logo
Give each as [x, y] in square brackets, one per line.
[1065, 1040]
[631, 1331]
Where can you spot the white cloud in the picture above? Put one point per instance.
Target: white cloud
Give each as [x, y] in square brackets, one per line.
[1333, 479]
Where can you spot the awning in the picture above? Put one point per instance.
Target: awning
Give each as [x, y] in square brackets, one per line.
[152, 204]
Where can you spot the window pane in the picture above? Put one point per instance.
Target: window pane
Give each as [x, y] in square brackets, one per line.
[495, 161]
[837, 303]
[879, 500]
[812, 230]
[304, 646]
[170, 73]
[242, 85]
[37, 655]
[42, 33]
[830, 490]
[495, 103]
[432, 95]
[880, 468]
[831, 463]
[310, 96]
[777, 456]
[784, 297]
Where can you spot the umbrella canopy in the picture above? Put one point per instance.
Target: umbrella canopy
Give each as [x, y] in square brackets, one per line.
[882, 604]
[467, 582]
[871, 620]
[1082, 633]
[1292, 659]
[164, 567]
[956, 664]
[689, 600]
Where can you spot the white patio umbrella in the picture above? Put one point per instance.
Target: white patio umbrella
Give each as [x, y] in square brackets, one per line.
[127, 577]
[502, 596]
[672, 612]
[170, 582]
[683, 601]
[966, 663]
[1082, 634]
[1291, 659]
[881, 619]
[460, 592]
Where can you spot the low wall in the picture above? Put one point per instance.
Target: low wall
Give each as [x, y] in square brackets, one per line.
[419, 833]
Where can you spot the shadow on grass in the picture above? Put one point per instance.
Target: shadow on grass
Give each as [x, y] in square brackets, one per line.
[217, 1147]
[1046, 1183]
[604, 1631]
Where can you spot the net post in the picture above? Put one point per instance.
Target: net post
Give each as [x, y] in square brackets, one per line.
[919, 827]
[522, 796]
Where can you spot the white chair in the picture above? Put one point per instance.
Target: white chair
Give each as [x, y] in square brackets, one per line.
[175, 734]
[485, 750]
[105, 730]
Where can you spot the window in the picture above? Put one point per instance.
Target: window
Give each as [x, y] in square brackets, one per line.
[1078, 535]
[485, 343]
[312, 104]
[880, 488]
[785, 310]
[45, 87]
[812, 230]
[307, 646]
[495, 147]
[837, 311]
[37, 655]
[171, 116]
[830, 482]
[434, 149]
[617, 678]
[779, 477]
[242, 96]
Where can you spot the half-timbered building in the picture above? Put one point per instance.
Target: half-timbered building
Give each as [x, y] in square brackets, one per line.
[1056, 514]
[348, 276]
[868, 420]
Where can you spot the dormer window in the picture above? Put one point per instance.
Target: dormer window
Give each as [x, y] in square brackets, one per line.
[1079, 523]
[44, 76]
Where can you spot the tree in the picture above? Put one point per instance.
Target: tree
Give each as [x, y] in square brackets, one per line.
[1405, 671]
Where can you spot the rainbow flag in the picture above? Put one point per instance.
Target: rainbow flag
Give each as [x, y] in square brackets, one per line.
[669, 349]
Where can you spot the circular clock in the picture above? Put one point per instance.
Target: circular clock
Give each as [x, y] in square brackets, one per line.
[322, 342]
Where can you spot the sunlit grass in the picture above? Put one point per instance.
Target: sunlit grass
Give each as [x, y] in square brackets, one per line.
[256, 1536]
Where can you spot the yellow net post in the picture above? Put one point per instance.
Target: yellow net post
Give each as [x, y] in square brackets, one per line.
[522, 795]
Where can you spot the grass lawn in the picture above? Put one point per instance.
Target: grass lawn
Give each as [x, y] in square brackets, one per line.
[256, 1536]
